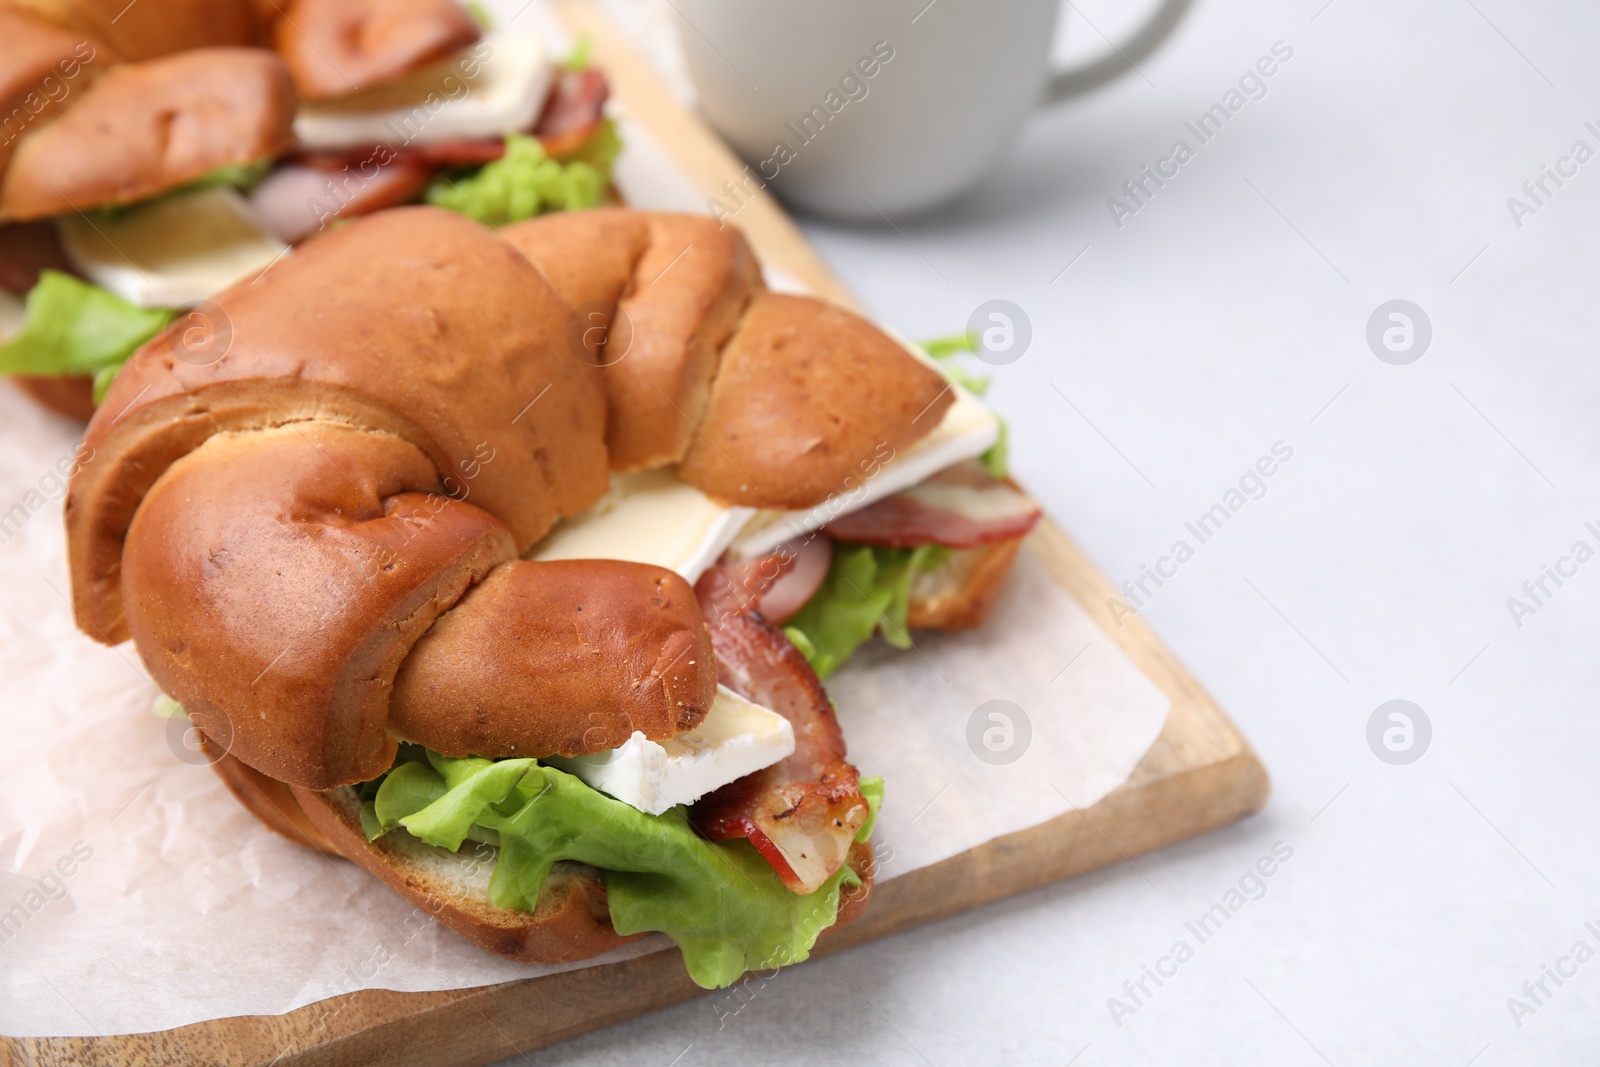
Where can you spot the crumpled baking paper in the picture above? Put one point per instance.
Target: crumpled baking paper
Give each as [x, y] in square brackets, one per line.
[136, 894]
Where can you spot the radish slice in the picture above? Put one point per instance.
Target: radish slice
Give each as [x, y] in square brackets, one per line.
[296, 201]
[810, 559]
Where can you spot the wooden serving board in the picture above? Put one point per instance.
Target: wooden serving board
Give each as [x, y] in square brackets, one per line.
[1199, 775]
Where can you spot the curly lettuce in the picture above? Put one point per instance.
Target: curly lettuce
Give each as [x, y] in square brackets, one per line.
[481, 15]
[73, 327]
[944, 351]
[867, 591]
[526, 182]
[719, 901]
[600, 150]
[242, 176]
[581, 56]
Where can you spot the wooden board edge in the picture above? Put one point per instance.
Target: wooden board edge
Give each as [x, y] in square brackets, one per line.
[466, 1028]
[1196, 720]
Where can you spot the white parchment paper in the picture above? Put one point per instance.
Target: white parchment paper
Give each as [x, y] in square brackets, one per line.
[983, 733]
[136, 894]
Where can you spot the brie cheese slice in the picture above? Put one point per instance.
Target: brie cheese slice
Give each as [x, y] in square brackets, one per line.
[735, 738]
[496, 87]
[649, 517]
[173, 252]
[653, 517]
[967, 431]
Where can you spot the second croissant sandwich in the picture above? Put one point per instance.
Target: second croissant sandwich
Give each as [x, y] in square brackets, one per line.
[150, 156]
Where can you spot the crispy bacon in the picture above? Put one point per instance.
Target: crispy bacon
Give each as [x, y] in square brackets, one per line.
[804, 566]
[457, 153]
[572, 112]
[778, 583]
[801, 814]
[462, 152]
[961, 507]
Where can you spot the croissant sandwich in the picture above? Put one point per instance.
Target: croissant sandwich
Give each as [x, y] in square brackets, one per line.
[152, 159]
[505, 564]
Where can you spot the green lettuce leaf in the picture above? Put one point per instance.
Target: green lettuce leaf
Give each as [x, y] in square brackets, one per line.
[600, 150]
[523, 183]
[720, 901]
[872, 792]
[945, 347]
[242, 176]
[73, 327]
[944, 350]
[867, 591]
[998, 456]
[102, 383]
[579, 57]
[480, 15]
[407, 789]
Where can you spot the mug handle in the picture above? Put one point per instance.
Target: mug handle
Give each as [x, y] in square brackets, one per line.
[1075, 81]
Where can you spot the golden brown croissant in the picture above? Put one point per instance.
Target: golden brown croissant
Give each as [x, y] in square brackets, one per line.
[140, 129]
[768, 400]
[149, 28]
[338, 47]
[242, 503]
[309, 520]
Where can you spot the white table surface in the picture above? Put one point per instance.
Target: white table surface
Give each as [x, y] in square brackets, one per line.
[1228, 315]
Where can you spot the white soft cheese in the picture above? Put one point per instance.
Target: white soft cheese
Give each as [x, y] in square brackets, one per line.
[173, 252]
[967, 430]
[649, 517]
[12, 315]
[653, 517]
[735, 738]
[496, 87]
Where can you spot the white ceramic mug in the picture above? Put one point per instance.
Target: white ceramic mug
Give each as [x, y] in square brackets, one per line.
[868, 109]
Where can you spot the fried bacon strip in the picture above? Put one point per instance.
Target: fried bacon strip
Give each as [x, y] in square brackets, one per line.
[572, 111]
[801, 814]
[963, 506]
[26, 249]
